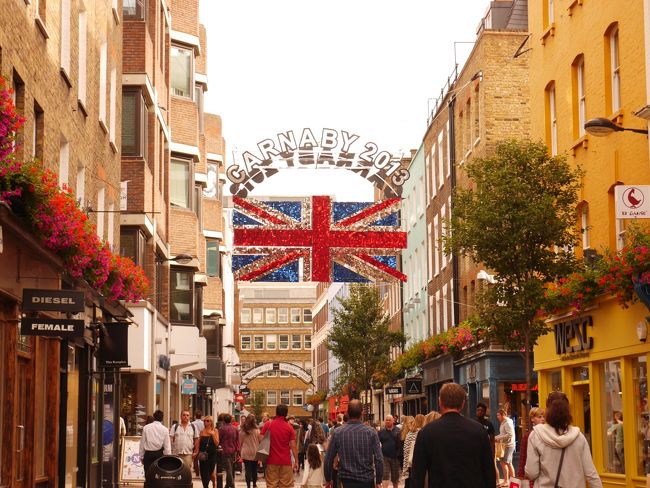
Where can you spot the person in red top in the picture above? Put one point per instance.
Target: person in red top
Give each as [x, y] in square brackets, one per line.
[280, 465]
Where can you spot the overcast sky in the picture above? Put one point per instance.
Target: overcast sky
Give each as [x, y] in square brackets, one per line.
[364, 66]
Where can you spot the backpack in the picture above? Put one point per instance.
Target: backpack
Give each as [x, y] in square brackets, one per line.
[193, 430]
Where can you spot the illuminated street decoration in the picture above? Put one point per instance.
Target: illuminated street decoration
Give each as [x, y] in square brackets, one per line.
[315, 239]
[334, 150]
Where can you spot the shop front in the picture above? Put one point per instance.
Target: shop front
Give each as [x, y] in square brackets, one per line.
[435, 373]
[599, 359]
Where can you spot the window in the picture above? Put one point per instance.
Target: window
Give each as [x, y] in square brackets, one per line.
[283, 315]
[433, 171]
[612, 417]
[296, 341]
[81, 184]
[269, 315]
[271, 342]
[579, 99]
[196, 204]
[39, 132]
[436, 247]
[551, 117]
[179, 183]
[111, 224]
[245, 345]
[441, 161]
[285, 397]
[642, 421]
[306, 315]
[65, 38]
[103, 61]
[284, 342]
[212, 258]
[295, 315]
[41, 9]
[307, 341]
[584, 225]
[477, 114]
[181, 291]
[134, 123]
[198, 98]
[246, 365]
[82, 40]
[620, 234]
[133, 9]
[101, 196]
[212, 186]
[615, 68]
[549, 12]
[181, 71]
[258, 315]
[64, 164]
[307, 367]
[245, 316]
[112, 101]
[443, 214]
[271, 397]
[298, 398]
[284, 374]
[258, 342]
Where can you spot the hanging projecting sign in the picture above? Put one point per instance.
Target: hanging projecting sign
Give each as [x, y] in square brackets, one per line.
[43, 326]
[114, 346]
[53, 300]
[394, 390]
[335, 149]
[189, 386]
[413, 386]
[632, 201]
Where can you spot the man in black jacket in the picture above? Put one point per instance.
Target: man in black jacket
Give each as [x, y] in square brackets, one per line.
[454, 452]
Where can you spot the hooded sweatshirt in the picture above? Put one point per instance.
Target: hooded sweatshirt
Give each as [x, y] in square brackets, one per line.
[544, 451]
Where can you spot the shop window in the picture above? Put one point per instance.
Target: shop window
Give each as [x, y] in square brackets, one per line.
[245, 316]
[298, 398]
[181, 71]
[258, 316]
[612, 417]
[271, 342]
[271, 397]
[181, 293]
[283, 315]
[581, 373]
[285, 397]
[258, 342]
[296, 341]
[179, 183]
[212, 258]
[295, 315]
[640, 371]
[134, 123]
[284, 342]
[269, 315]
[306, 314]
[555, 380]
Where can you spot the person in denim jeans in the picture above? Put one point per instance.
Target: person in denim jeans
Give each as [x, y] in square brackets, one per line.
[229, 438]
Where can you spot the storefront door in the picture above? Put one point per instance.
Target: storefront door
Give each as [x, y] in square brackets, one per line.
[20, 423]
[582, 410]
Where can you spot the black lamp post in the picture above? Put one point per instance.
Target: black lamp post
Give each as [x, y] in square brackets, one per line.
[602, 126]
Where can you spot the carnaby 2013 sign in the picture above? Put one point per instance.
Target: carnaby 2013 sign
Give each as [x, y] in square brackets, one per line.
[331, 149]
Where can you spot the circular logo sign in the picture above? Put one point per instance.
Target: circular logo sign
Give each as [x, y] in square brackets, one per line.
[633, 197]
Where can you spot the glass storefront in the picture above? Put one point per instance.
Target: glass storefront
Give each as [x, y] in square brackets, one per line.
[612, 417]
[72, 419]
[642, 421]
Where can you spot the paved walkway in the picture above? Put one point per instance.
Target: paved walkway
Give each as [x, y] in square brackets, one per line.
[240, 481]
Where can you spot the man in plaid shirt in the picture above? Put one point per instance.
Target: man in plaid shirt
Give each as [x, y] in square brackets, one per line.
[360, 459]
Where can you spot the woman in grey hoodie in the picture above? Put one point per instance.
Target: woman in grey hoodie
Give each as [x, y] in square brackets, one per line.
[558, 440]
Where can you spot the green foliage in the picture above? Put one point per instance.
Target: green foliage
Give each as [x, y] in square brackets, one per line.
[258, 405]
[520, 211]
[361, 338]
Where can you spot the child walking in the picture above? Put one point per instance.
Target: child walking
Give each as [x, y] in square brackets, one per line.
[313, 477]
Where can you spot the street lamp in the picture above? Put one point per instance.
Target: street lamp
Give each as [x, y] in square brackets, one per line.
[181, 258]
[602, 126]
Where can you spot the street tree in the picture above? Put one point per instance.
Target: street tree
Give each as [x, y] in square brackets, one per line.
[258, 405]
[518, 218]
[361, 339]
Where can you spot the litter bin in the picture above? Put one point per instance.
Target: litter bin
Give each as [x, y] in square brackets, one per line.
[168, 472]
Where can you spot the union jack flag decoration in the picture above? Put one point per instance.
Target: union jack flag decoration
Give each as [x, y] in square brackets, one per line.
[316, 239]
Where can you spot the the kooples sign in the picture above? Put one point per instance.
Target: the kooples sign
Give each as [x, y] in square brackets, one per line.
[573, 336]
[36, 300]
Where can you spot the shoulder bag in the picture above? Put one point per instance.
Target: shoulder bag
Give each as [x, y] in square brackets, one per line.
[559, 470]
[203, 455]
[264, 448]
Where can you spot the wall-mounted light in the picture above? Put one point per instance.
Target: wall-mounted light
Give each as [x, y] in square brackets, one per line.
[602, 126]
[642, 330]
[179, 259]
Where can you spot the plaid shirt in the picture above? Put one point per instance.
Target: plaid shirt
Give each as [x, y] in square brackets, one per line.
[359, 452]
[229, 439]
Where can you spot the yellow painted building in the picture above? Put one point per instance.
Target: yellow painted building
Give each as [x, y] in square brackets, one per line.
[587, 60]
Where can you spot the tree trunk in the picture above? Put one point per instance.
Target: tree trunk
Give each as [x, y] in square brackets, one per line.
[370, 393]
[527, 360]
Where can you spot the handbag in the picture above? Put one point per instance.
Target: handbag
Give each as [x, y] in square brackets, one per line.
[499, 449]
[203, 455]
[263, 449]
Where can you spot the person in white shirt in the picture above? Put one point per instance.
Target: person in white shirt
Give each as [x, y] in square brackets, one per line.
[313, 476]
[185, 439]
[155, 441]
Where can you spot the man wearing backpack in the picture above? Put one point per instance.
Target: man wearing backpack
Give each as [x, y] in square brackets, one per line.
[185, 439]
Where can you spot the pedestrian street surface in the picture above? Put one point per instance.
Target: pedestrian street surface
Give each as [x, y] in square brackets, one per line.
[240, 481]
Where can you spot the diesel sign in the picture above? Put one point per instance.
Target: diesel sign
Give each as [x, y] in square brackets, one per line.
[53, 300]
[566, 332]
[52, 327]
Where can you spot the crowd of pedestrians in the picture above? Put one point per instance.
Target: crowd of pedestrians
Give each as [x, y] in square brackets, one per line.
[442, 449]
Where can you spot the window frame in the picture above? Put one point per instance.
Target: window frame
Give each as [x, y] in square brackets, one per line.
[285, 397]
[256, 343]
[176, 292]
[615, 68]
[271, 342]
[267, 319]
[241, 315]
[293, 342]
[286, 314]
[140, 243]
[288, 342]
[302, 398]
[304, 316]
[212, 258]
[139, 148]
[261, 315]
[291, 313]
[268, 398]
[305, 341]
[189, 184]
[140, 9]
[191, 83]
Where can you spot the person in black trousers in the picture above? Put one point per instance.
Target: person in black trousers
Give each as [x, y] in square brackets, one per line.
[208, 443]
[454, 452]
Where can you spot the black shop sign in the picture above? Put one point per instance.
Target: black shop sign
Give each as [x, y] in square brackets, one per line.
[393, 390]
[43, 326]
[36, 300]
[572, 336]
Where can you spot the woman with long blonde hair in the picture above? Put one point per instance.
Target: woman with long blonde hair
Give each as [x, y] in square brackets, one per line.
[409, 435]
[207, 455]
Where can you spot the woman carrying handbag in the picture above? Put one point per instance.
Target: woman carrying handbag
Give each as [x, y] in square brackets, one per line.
[207, 455]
